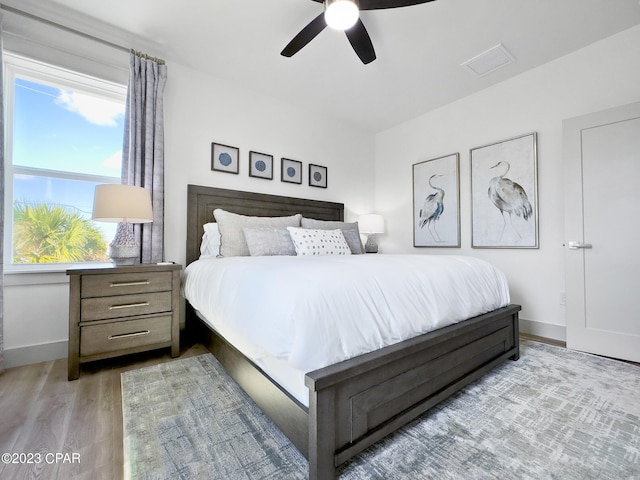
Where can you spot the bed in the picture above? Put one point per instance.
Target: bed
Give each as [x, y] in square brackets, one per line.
[358, 401]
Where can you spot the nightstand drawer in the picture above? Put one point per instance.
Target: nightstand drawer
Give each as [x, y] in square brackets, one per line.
[115, 336]
[102, 308]
[124, 283]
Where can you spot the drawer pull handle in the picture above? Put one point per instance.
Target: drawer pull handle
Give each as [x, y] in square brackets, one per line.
[129, 284]
[125, 335]
[129, 305]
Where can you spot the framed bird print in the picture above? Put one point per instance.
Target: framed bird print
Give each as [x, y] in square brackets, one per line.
[436, 202]
[504, 194]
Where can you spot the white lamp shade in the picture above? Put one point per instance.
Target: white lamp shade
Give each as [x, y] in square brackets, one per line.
[371, 223]
[122, 203]
[341, 14]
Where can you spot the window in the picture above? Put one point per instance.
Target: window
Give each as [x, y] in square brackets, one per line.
[64, 137]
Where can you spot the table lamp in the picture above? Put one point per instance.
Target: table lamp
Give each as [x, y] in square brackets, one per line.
[125, 205]
[370, 225]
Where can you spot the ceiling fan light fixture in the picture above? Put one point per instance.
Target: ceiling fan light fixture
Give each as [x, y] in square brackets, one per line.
[341, 14]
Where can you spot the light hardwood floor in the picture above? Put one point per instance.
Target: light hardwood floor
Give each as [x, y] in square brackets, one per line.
[550, 341]
[41, 412]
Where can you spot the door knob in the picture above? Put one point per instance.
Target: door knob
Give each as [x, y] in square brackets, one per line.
[577, 245]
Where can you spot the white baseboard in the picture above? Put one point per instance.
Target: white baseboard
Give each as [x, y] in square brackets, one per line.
[15, 357]
[541, 329]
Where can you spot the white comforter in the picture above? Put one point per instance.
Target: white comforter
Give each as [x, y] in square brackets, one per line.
[315, 311]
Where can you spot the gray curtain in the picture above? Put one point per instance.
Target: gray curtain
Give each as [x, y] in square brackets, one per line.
[1, 203]
[143, 152]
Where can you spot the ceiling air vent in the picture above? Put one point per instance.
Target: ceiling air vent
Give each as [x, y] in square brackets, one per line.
[489, 61]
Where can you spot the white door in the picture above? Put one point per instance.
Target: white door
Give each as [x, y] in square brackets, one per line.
[602, 232]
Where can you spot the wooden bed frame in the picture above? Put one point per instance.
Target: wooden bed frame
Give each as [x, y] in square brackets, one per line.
[357, 402]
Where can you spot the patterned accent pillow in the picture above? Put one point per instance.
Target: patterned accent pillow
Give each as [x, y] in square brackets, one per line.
[268, 241]
[309, 241]
[349, 230]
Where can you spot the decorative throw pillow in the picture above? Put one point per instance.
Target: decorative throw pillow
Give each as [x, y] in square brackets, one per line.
[268, 241]
[308, 241]
[350, 231]
[210, 245]
[233, 243]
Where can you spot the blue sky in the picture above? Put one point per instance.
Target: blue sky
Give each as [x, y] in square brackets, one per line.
[69, 131]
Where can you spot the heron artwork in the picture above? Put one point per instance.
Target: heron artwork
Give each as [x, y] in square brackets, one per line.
[432, 209]
[509, 197]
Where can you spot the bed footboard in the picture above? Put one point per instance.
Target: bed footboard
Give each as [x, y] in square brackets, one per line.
[357, 402]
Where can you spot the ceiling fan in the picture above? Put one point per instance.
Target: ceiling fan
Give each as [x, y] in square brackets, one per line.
[345, 15]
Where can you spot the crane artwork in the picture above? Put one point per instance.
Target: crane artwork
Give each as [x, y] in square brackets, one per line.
[509, 197]
[432, 209]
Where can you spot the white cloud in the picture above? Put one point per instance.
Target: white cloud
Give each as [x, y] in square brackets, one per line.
[96, 110]
[114, 161]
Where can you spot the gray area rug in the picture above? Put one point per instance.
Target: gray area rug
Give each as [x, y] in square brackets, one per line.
[554, 414]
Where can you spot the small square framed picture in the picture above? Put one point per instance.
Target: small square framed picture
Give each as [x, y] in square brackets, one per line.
[290, 171]
[317, 176]
[261, 165]
[224, 158]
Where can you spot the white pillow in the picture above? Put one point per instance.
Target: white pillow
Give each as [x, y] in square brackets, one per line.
[308, 241]
[233, 242]
[210, 245]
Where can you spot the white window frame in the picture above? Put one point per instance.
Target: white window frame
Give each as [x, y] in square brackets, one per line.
[34, 70]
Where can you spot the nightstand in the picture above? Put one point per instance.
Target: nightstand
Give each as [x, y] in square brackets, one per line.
[115, 311]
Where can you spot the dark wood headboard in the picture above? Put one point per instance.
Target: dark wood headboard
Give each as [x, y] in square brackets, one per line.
[201, 201]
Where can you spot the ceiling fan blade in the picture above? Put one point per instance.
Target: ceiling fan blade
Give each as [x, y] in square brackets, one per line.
[361, 42]
[382, 4]
[305, 35]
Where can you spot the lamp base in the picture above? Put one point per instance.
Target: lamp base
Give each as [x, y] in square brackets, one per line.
[371, 246]
[124, 254]
[124, 250]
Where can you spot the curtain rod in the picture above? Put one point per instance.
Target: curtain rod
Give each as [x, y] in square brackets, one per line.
[77, 32]
[159, 61]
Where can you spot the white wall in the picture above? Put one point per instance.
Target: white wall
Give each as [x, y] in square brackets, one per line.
[36, 318]
[600, 76]
[200, 109]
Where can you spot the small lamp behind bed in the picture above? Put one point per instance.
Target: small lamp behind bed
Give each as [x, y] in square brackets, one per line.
[370, 225]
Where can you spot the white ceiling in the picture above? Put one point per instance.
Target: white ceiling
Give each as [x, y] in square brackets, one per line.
[419, 49]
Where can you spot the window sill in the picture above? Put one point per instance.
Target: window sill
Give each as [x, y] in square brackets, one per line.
[42, 274]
